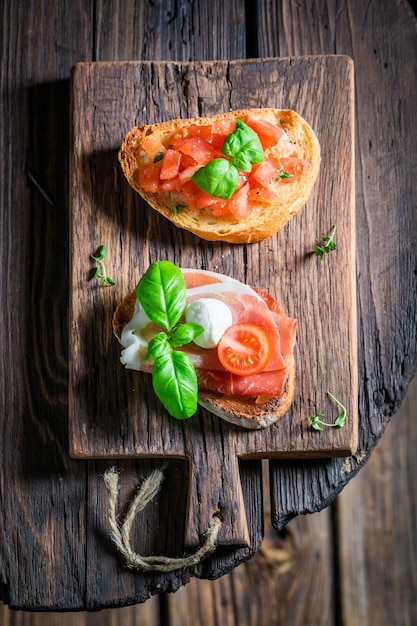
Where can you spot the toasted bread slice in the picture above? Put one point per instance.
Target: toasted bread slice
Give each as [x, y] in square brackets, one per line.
[252, 412]
[266, 217]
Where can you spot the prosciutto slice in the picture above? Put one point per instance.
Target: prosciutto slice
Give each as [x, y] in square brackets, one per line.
[247, 306]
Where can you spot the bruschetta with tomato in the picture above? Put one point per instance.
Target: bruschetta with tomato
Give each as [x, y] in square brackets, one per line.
[204, 333]
[236, 177]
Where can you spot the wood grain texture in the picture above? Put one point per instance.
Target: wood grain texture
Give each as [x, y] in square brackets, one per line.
[127, 420]
[48, 501]
[385, 81]
[43, 496]
[321, 294]
[377, 533]
[350, 564]
[287, 581]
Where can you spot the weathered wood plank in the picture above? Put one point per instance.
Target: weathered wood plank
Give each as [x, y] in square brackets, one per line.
[42, 493]
[41, 41]
[386, 269]
[105, 209]
[376, 564]
[290, 580]
[376, 522]
[112, 424]
[146, 614]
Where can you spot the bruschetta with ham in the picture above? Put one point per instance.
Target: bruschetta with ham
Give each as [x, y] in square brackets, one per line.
[237, 338]
[237, 177]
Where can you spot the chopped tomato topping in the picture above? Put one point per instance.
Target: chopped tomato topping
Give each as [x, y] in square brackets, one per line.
[238, 203]
[194, 146]
[265, 174]
[149, 177]
[153, 147]
[170, 164]
[244, 349]
[268, 132]
[197, 198]
[294, 166]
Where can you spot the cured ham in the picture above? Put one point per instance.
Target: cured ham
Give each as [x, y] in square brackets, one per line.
[247, 306]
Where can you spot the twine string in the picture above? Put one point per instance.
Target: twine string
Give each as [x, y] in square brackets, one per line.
[120, 532]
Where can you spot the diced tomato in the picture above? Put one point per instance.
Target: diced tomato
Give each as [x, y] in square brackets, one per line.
[172, 185]
[185, 175]
[220, 130]
[153, 146]
[196, 198]
[170, 164]
[149, 177]
[259, 195]
[204, 131]
[219, 208]
[187, 161]
[244, 349]
[238, 204]
[268, 132]
[223, 127]
[265, 174]
[196, 147]
[294, 166]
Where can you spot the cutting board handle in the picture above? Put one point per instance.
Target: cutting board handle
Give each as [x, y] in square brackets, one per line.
[216, 490]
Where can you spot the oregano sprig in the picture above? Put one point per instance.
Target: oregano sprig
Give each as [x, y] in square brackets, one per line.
[282, 174]
[316, 420]
[100, 270]
[328, 244]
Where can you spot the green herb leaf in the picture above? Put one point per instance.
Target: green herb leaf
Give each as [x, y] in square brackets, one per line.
[184, 333]
[177, 207]
[329, 244]
[162, 293]
[158, 157]
[243, 147]
[175, 383]
[218, 178]
[282, 174]
[158, 345]
[100, 270]
[317, 423]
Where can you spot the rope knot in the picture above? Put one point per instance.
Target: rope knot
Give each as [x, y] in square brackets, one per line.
[120, 533]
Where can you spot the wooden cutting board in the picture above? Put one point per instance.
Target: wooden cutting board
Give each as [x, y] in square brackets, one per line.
[114, 412]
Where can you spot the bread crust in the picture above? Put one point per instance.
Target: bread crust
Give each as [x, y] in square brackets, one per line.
[251, 412]
[266, 218]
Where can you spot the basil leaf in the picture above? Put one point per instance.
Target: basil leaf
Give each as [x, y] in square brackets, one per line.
[184, 333]
[243, 141]
[158, 345]
[162, 293]
[175, 383]
[218, 178]
[243, 162]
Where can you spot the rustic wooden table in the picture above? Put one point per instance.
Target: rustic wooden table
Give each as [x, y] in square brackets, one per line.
[55, 552]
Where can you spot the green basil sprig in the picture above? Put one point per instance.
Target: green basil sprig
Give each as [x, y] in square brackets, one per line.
[220, 176]
[162, 294]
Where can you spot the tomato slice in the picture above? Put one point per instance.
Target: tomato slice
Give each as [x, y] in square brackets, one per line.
[244, 349]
